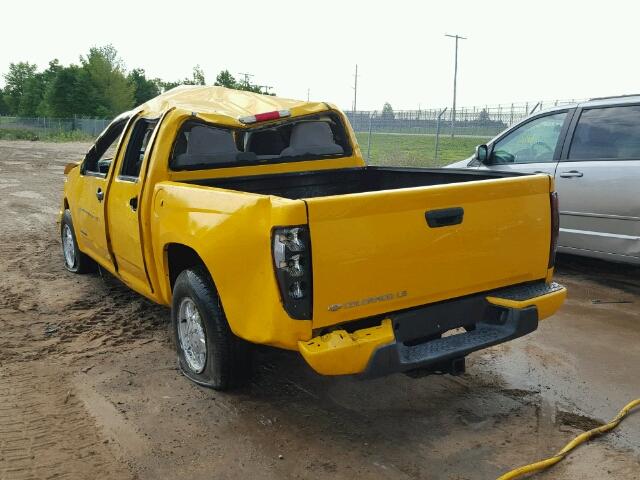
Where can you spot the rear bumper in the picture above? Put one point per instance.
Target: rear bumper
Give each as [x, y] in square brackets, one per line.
[413, 339]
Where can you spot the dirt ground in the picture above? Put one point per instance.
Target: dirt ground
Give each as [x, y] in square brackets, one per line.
[89, 386]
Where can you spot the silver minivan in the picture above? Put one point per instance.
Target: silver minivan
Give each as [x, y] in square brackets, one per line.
[592, 149]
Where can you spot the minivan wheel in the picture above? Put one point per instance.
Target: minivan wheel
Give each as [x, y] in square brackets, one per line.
[208, 351]
[74, 260]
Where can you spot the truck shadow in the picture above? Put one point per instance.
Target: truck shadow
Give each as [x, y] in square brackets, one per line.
[625, 277]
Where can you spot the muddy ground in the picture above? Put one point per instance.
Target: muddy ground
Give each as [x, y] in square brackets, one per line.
[89, 386]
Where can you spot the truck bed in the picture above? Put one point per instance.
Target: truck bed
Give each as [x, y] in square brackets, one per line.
[325, 183]
[387, 239]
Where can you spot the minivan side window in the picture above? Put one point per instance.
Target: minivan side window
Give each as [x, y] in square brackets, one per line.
[611, 133]
[533, 142]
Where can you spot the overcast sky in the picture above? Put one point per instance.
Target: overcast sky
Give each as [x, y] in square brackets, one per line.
[516, 51]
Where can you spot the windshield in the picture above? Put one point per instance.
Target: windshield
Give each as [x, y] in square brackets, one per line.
[200, 145]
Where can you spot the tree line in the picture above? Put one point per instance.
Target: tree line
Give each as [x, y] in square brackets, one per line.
[99, 86]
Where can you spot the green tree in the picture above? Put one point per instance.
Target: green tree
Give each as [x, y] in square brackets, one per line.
[144, 89]
[225, 79]
[106, 73]
[32, 95]
[197, 77]
[72, 93]
[169, 85]
[387, 111]
[32, 99]
[15, 83]
[4, 108]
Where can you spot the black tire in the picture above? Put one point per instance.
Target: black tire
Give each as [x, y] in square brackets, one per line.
[80, 263]
[228, 358]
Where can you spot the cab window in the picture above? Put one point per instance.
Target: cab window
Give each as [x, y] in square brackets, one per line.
[200, 146]
[611, 133]
[136, 148]
[533, 142]
[99, 158]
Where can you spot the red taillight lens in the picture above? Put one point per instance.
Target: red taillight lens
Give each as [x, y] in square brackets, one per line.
[555, 228]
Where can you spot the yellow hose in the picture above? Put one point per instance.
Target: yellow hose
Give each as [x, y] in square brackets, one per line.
[583, 437]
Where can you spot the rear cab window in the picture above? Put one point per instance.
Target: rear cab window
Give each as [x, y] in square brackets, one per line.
[607, 133]
[199, 145]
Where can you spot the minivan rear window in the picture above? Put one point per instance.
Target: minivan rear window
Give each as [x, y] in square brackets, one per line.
[199, 145]
[611, 133]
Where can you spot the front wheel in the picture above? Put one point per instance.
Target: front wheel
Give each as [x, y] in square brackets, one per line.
[208, 351]
[74, 260]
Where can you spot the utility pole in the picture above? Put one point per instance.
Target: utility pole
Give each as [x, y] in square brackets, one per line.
[266, 88]
[455, 79]
[355, 90]
[308, 91]
[246, 76]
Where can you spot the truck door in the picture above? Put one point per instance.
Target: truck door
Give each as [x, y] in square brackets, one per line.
[532, 147]
[597, 183]
[88, 212]
[123, 214]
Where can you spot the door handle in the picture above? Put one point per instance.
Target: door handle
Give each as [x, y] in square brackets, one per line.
[444, 217]
[133, 203]
[99, 194]
[571, 174]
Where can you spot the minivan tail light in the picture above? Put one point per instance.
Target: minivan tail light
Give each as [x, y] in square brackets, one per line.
[555, 228]
[292, 263]
[264, 117]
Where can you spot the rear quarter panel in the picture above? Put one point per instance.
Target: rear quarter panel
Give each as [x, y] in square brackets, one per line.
[231, 232]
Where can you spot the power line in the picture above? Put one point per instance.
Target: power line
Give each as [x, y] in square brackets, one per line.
[246, 76]
[455, 79]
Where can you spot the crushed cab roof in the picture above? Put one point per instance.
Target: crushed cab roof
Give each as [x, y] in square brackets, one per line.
[226, 102]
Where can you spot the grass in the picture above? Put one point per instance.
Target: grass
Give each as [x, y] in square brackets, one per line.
[34, 135]
[417, 150]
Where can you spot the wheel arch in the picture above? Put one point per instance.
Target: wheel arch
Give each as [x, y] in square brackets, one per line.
[178, 258]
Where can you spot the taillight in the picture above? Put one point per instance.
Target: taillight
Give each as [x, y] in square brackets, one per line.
[292, 263]
[555, 228]
[263, 117]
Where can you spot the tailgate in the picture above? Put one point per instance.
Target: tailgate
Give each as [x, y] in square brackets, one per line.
[375, 252]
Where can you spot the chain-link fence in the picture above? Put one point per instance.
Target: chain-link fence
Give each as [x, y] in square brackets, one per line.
[423, 137]
[44, 127]
[428, 137]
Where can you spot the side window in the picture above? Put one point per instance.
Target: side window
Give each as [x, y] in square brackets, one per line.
[142, 131]
[101, 154]
[533, 142]
[611, 133]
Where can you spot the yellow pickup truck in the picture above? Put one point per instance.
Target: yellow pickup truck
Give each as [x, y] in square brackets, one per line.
[257, 220]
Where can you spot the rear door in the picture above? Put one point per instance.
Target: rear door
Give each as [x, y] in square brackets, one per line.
[532, 147]
[122, 208]
[88, 212]
[375, 252]
[598, 181]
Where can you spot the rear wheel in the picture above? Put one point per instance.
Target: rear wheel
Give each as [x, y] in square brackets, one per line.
[74, 260]
[208, 352]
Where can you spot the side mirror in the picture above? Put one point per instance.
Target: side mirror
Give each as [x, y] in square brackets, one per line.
[482, 153]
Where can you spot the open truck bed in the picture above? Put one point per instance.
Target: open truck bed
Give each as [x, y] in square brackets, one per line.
[324, 183]
[385, 239]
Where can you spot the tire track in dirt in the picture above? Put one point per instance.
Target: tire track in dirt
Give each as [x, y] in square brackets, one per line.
[45, 431]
